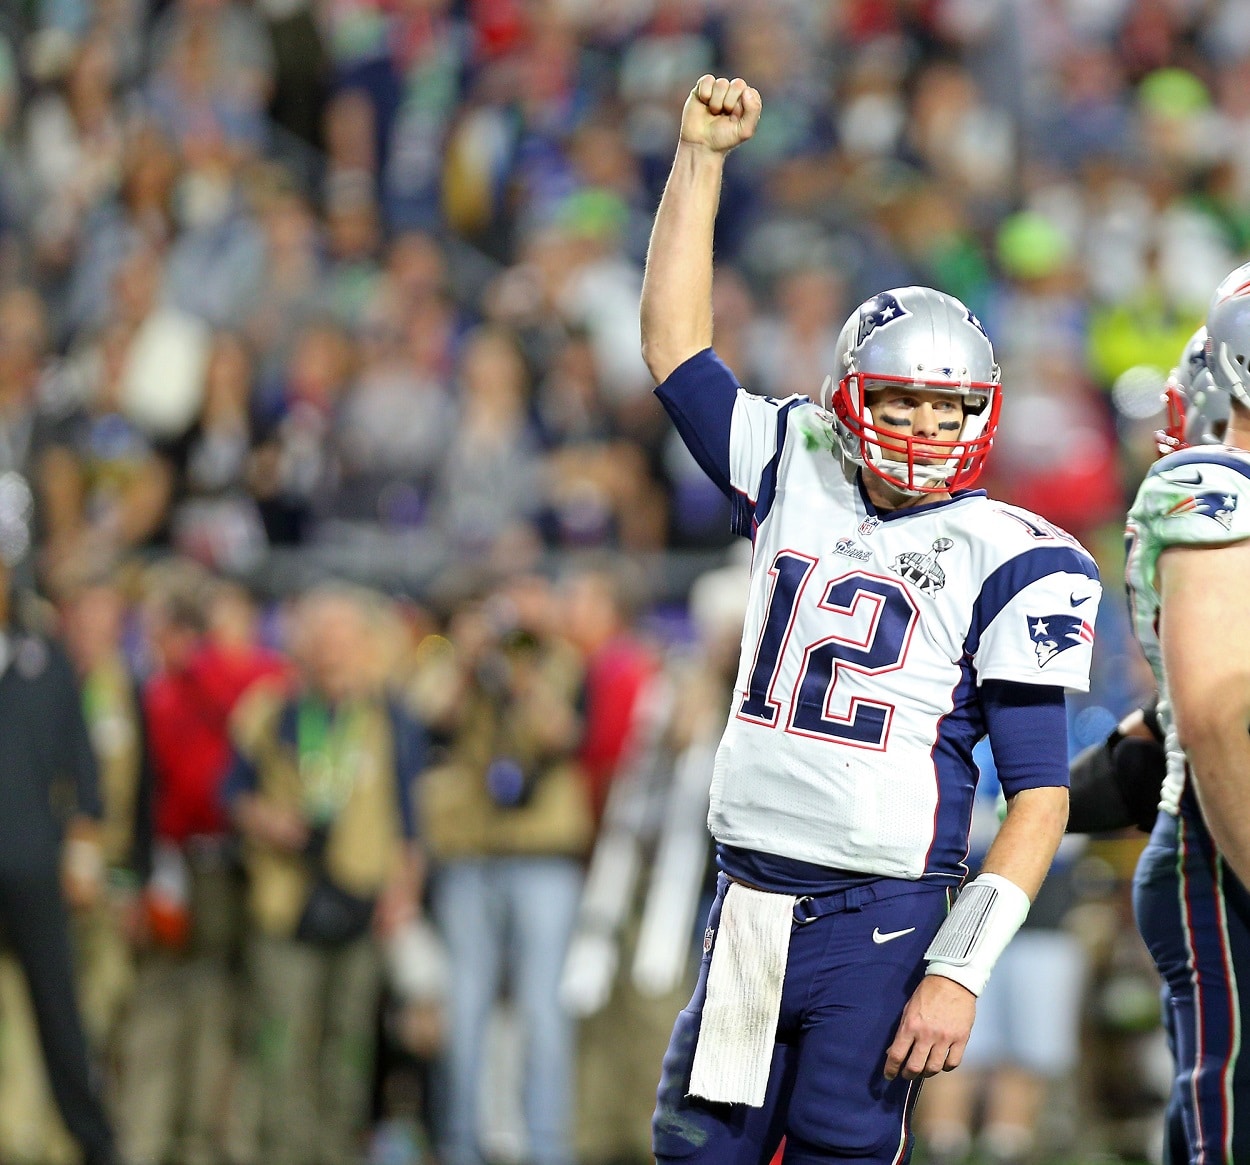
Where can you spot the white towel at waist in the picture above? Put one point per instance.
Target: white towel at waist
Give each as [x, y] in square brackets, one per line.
[739, 1025]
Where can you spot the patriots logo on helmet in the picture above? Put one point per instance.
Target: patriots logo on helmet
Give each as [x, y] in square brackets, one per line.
[1241, 288]
[976, 323]
[1213, 504]
[1052, 634]
[876, 313]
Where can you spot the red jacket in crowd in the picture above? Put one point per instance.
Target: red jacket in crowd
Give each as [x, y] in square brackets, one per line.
[187, 712]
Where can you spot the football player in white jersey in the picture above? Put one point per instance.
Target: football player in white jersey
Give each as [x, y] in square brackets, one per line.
[895, 616]
[1188, 554]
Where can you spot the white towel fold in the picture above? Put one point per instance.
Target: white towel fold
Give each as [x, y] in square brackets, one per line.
[735, 1047]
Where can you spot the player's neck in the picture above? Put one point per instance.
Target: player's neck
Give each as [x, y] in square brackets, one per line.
[885, 497]
[1238, 433]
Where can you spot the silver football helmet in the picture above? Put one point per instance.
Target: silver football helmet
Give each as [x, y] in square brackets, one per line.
[1197, 409]
[920, 337]
[1228, 335]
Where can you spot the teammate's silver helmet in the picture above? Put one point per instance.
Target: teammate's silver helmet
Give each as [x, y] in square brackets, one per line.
[1228, 335]
[923, 338]
[1197, 409]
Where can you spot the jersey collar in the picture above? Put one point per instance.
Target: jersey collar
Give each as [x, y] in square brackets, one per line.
[924, 508]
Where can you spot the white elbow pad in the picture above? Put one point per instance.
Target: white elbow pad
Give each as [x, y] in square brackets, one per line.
[988, 911]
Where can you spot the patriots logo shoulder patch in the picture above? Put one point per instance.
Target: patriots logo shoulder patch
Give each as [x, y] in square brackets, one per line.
[1214, 504]
[1053, 634]
[876, 313]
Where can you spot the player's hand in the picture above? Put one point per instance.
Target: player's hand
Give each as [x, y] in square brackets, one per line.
[933, 1031]
[720, 114]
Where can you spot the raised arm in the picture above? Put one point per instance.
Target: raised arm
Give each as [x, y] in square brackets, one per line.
[676, 308]
[1204, 629]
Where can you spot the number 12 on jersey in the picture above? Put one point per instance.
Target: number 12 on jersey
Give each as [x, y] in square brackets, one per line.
[844, 643]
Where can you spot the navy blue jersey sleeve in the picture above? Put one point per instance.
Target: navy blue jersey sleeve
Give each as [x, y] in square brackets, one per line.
[736, 436]
[699, 397]
[1028, 729]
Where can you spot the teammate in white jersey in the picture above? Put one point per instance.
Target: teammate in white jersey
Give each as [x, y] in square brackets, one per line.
[1189, 552]
[895, 617]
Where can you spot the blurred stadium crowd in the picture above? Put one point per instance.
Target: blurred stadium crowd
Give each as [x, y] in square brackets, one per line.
[296, 294]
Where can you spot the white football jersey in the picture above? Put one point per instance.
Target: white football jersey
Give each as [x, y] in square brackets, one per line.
[1199, 497]
[849, 742]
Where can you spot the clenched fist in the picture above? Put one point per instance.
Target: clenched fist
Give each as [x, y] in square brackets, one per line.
[720, 114]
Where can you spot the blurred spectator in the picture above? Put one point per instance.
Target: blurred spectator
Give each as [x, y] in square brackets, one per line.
[103, 486]
[74, 148]
[322, 790]
[353, 243]
[177, 1055]
[215, 519]
[218, 254]
[10, 87]
[600, 491]
[1038, 316]
[295, 464]
[398, 416]
[140, 214]
[508, 820]
[212, 73]
[597, 619]
[960, 137]
[491, 476]
[433, 48]
[301, 72]
[286, 296]
[793, 353]
[23, 345]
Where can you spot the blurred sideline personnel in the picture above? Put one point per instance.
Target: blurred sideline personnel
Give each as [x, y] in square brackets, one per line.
[91, 612]
[177, 1050]
[47, 773]
[895, 617]
[321, 788]
[1189, 551]
[632, 959]
[508, 821]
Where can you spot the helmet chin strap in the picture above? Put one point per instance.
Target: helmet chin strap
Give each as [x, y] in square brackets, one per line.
[927, 475]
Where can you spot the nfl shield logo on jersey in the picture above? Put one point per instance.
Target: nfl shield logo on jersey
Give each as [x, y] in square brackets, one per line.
[1052, 634]
[922, 570]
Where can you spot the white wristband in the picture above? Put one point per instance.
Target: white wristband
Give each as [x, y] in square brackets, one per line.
[987, 913]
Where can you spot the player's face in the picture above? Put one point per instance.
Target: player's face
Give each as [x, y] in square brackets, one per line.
[917, 413]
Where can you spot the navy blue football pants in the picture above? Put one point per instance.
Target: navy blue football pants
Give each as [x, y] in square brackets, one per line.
[1194, 916]
[845, 989]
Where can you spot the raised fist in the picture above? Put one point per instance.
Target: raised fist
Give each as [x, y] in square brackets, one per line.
[720, 114]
